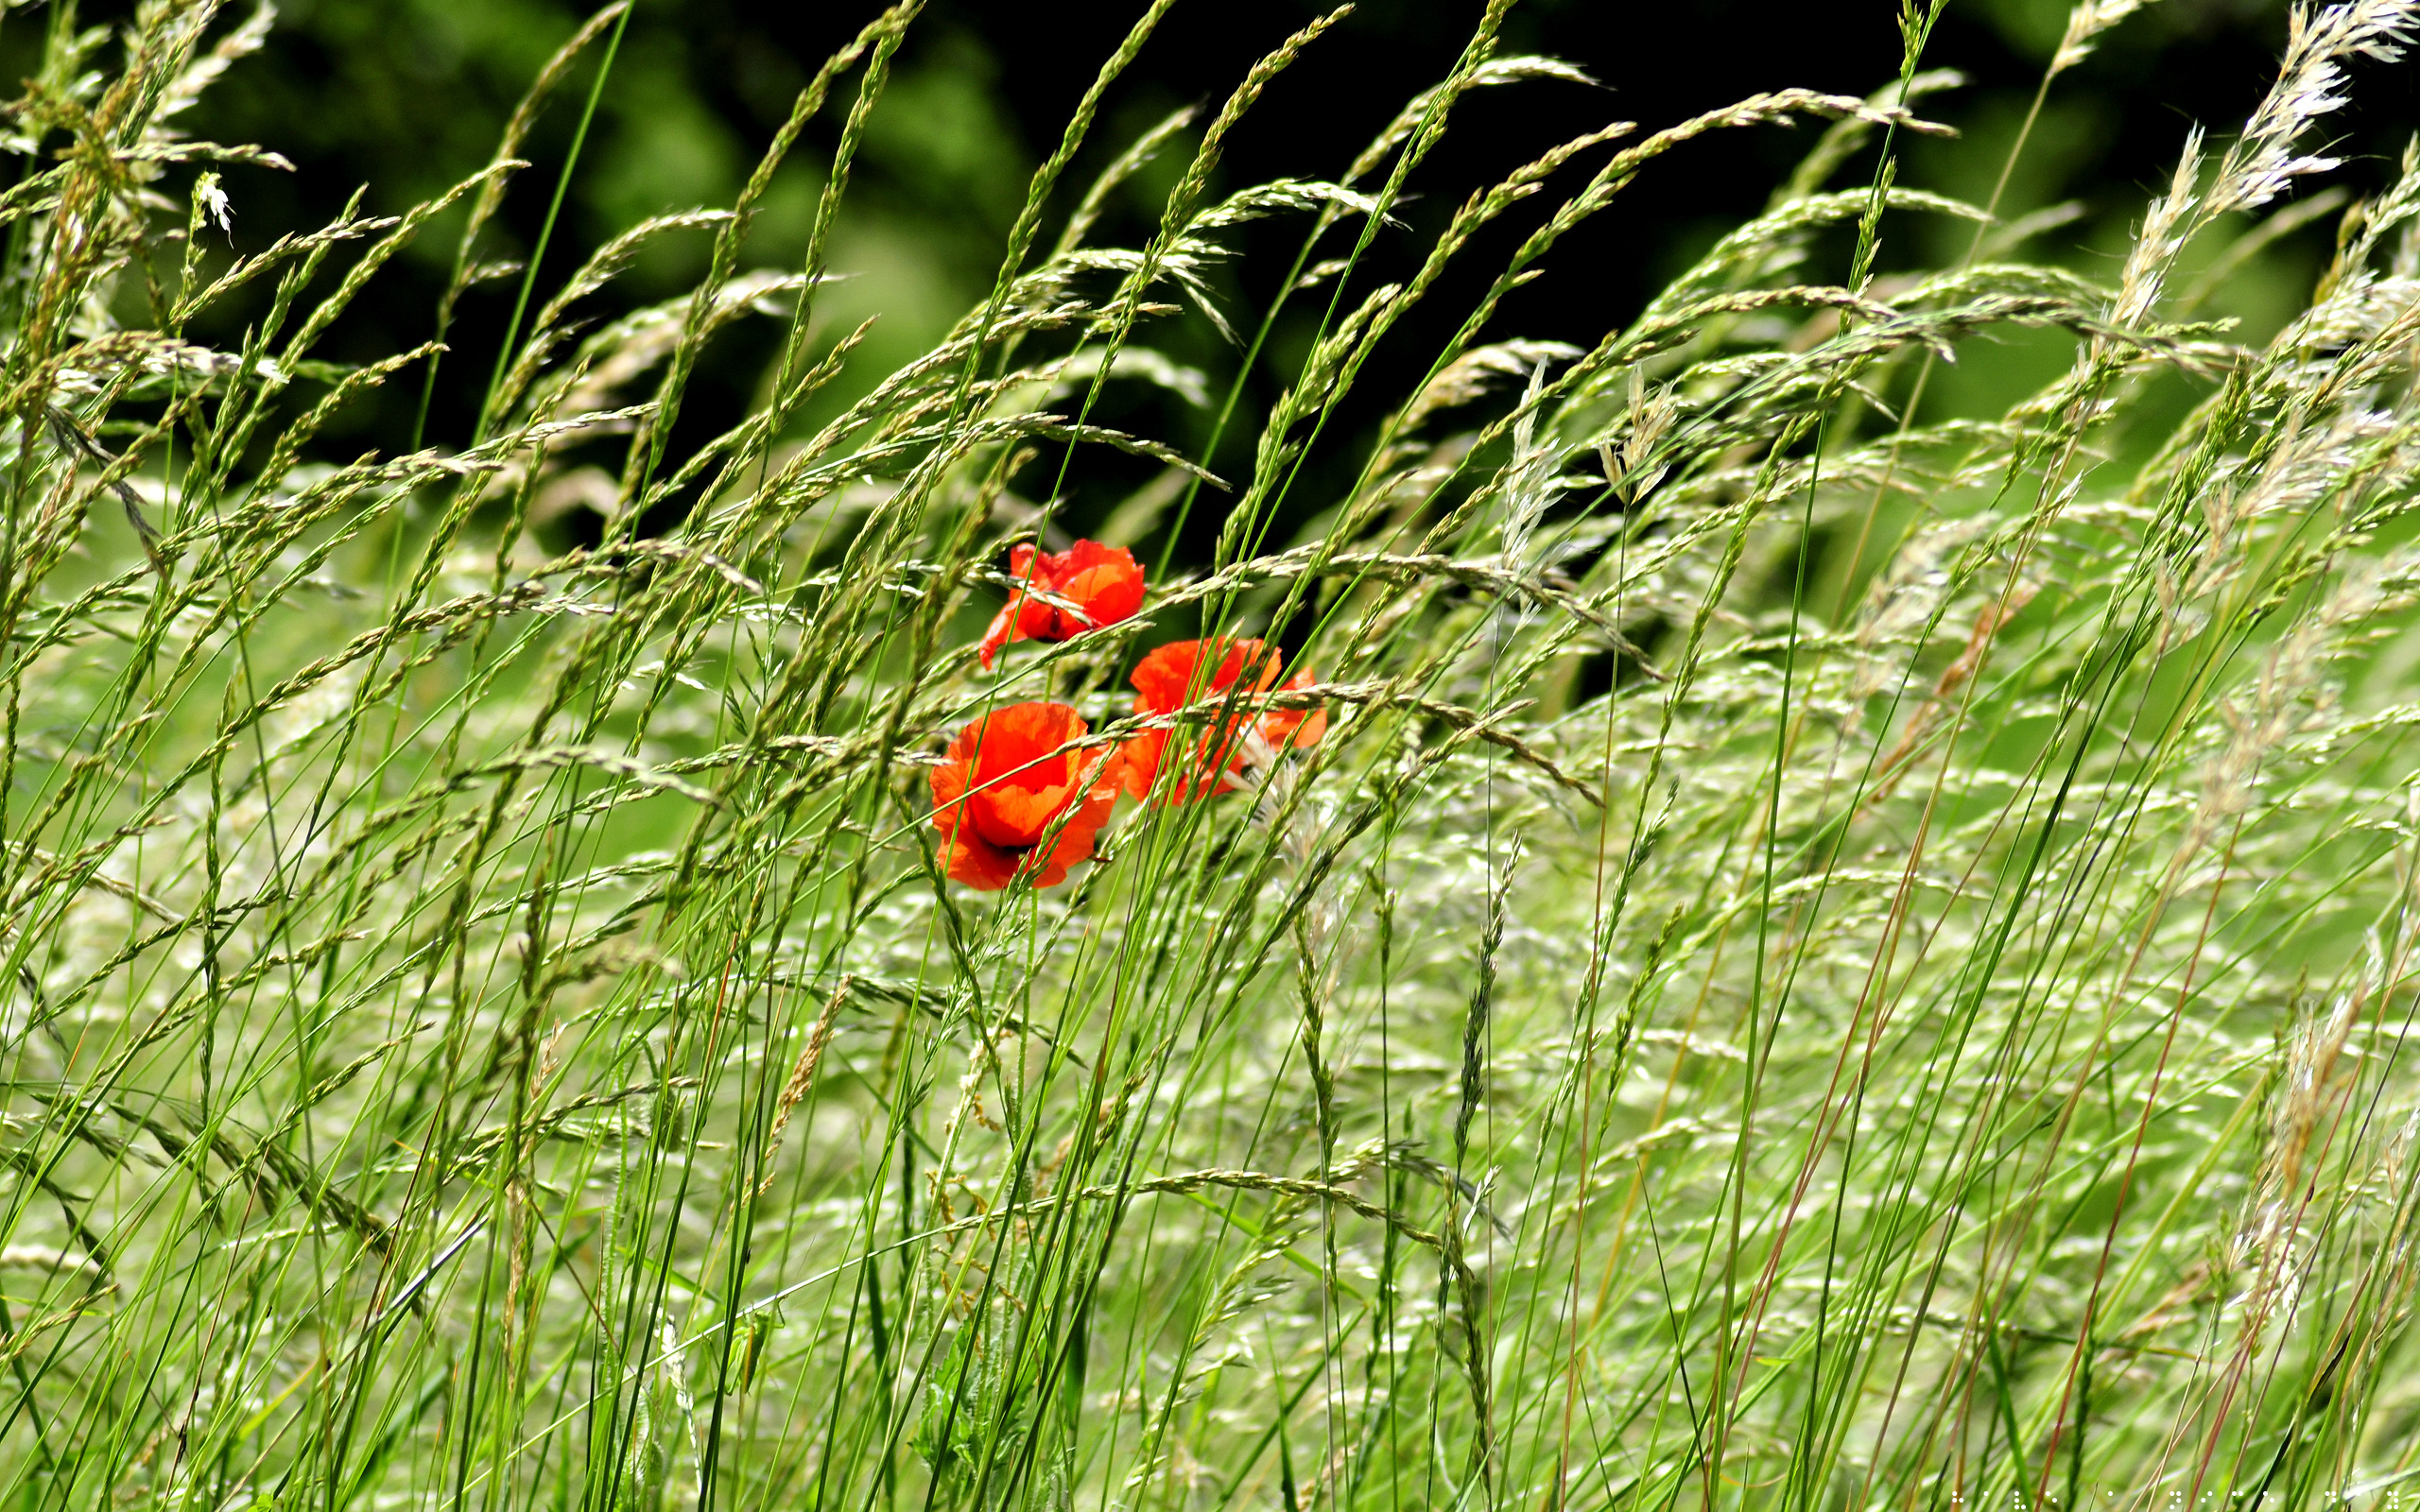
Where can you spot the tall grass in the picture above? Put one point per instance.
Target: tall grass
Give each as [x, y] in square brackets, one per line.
[1828, 957]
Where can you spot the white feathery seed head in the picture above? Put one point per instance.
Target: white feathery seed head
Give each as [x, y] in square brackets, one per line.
[2263, 163]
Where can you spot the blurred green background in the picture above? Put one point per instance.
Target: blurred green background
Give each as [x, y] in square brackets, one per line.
[406, 96]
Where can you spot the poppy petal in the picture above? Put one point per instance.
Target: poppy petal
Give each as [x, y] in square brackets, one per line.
[1139, 762]
[1075, 841]
[1159, 678]
[1014, 817]
[1002, 631]
[1299, 727]
[1109, 593]
[979, 864]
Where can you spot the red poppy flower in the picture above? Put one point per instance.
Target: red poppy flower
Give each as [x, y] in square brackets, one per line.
[1105, 583]
[1174, 676]
[1006, 781]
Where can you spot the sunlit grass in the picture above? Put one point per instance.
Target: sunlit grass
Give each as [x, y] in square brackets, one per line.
[1833, 953]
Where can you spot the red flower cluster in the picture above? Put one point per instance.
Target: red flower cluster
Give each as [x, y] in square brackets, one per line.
[1186, 672]
[1020, 793]
[1105, 583]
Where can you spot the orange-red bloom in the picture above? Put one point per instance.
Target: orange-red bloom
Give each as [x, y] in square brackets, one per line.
[1105, 583]
[1006, 781]
[1175, 674]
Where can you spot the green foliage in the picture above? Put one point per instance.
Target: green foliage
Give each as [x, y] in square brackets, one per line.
[1847, 942]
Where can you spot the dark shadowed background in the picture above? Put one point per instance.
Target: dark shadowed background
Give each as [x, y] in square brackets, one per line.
[406, 96]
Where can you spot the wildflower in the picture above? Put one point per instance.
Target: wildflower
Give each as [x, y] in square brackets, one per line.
[1006, 781]
[1105, 583]
[1173, 675]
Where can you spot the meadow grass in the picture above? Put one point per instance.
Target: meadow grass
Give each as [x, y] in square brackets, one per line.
[1830, 956]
